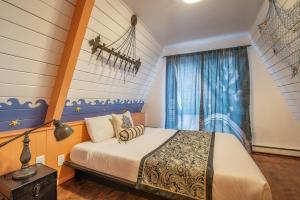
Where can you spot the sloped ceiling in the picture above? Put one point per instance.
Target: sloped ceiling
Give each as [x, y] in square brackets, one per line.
[173, 21]
[95, 80]
[32, 38]
[288, 86]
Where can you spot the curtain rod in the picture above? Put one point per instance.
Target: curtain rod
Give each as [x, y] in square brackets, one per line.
[246, 45]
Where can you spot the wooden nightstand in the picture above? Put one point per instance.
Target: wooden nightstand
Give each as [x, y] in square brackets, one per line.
[41, 186]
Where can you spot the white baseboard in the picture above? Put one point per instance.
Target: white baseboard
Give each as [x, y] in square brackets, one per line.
[276, 150]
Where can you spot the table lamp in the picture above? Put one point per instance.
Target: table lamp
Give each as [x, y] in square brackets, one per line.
[61, 132]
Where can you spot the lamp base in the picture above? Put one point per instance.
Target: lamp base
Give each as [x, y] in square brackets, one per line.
[25, 173]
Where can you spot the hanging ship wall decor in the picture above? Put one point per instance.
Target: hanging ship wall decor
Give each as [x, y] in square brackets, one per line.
[120, 54]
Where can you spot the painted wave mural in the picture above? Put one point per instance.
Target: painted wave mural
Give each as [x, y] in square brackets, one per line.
[15, 115]
[78, 110]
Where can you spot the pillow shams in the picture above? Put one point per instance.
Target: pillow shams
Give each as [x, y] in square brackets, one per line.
[100, 128]
[121, 122]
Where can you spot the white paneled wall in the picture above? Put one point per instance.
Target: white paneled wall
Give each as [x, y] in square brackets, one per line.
[32, 37]
[93, 79]
[289, 87]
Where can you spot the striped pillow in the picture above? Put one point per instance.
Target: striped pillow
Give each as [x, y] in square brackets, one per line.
[131, 133]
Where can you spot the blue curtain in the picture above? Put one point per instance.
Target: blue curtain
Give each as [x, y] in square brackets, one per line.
[183, 92]
[210, 91]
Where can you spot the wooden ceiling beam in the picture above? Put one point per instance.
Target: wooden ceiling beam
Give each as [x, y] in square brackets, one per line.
[71, 51]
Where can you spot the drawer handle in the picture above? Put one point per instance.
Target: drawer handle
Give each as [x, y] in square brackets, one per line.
[36, 191]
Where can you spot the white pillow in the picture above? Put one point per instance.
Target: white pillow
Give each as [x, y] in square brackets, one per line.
[100, 128]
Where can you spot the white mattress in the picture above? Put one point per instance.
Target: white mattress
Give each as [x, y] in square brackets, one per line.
[236, 176]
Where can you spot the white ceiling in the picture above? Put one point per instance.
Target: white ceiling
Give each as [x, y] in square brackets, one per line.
[173, 21]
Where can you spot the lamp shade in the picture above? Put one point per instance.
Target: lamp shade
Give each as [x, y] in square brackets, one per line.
[61, 131]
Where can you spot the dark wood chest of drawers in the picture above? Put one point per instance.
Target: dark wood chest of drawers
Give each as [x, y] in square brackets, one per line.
[41, 186]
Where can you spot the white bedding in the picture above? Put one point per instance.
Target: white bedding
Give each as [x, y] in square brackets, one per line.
[236, 176]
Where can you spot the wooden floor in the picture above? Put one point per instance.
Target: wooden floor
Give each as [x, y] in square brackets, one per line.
[282, 173]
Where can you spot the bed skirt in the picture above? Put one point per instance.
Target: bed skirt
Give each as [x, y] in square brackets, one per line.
[180, 168]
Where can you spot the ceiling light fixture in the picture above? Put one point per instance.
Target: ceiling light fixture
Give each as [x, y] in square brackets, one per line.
[191, 1]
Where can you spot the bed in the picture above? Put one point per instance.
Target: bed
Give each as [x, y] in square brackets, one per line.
[235, 174]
